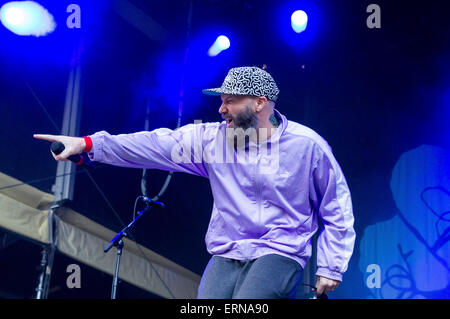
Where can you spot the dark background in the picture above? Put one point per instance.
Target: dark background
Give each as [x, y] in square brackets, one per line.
[371, 93]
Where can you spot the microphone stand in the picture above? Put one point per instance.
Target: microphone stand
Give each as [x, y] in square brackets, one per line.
[118, 242]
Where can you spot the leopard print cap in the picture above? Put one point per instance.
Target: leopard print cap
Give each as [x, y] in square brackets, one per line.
[247, 81]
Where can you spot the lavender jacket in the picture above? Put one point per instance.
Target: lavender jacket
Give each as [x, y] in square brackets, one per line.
[267, 196]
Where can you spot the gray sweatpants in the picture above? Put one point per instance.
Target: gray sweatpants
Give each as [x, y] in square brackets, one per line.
[267, 277]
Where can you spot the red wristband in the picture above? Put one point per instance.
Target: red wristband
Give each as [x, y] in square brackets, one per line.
[88, 141]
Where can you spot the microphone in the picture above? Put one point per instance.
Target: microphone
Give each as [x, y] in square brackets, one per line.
[149, 201]
[80, 160]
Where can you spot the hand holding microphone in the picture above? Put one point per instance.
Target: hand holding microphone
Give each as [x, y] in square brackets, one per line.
[66, 148]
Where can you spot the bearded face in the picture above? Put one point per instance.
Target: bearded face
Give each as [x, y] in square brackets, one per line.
[245, 119]
[242, 121]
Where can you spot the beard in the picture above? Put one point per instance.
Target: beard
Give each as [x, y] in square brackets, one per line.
[246, 119]
[244, 126]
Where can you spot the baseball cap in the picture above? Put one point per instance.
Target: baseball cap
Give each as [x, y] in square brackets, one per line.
[247, 81]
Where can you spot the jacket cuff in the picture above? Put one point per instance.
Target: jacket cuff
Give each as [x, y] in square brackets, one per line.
[96, 152]
[325, 272]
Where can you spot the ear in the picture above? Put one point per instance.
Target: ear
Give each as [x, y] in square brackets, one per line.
[261, 102]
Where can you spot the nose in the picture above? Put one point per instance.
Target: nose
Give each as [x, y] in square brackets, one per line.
[222, 109]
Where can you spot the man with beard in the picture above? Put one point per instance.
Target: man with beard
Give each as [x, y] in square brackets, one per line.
[266, 206]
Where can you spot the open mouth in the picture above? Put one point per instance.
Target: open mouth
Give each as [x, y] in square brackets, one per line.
[229, 122]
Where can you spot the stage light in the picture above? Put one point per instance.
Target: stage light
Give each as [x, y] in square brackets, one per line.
[27, 18]
[222, 43]
[299, 20]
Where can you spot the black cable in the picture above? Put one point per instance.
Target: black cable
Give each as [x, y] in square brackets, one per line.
[105, 199]
[43, 108]
[180, 112]
[180, 104]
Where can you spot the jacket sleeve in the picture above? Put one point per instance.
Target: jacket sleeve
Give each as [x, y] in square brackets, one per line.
[178, 150]
[331, 198]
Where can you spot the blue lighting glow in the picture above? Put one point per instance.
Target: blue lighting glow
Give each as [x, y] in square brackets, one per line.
[300, 26]
[222, 43]
[299, 20]
[27, 18]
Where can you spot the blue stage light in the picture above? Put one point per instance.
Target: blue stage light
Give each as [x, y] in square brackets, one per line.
[222, 43]
[299, 20]
[27, 18]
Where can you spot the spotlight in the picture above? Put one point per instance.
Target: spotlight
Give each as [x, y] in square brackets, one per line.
[27, 18]
[222, 43]
[299, 20]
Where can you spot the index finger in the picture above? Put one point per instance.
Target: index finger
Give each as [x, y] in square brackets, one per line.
[47, 137]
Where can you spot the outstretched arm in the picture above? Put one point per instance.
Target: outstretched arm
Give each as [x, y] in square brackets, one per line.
[178, 150]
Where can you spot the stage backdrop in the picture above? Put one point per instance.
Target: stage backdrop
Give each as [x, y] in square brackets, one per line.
[408, 255]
